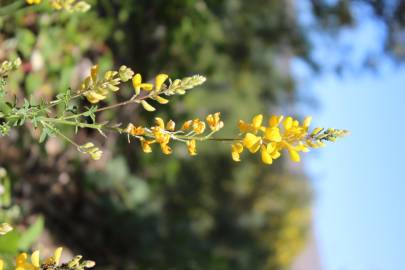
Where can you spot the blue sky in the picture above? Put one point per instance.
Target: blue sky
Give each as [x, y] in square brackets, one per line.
[360, 180]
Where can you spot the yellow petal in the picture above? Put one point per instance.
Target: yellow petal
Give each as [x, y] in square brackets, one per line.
[271, 147]
[307, 121]
[275, 154]
[161, 100]
[146, 86]
[93, 97]
[35, 258]
[302, 147]
[252, 142]
[235, 156]
[1, 264]
[146, 146]
[243, 126]
[198, 126]
[94, 72]
[166, 149]
[191, 147]
[237, 148]
[159, 80]
[21, 258]
[294, 156]
[275, 120]
[136, 82]
[272, 134]
[147, 106]
[257, 121]
[288, 123]
[171, 125]
[159, 122]
[57, 254]
[266, 157]
[187, 125]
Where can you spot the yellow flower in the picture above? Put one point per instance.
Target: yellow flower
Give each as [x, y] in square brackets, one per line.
[290, 136]
[159, 80]
[294, 156]
[146, 145]
[1, 264]
[307, 121]
[275, 120]
[22, 264]
[165, 148]
[56, 255]
[253, 127]
[94, 97]
[272, 134]
[198, 126]
[214, 121]
[266, 156]
[33, 2]
[187, 125]
[135, 131]
[138, 85]
[160, 136]
[237, 149]
[35, 258]
[191, 147]
[159, 122]
[96, 90]
[243, 126]
[252, 142]
[257, 122]
[171, 125]
[70, 5]
[93, 151]
[160, 99]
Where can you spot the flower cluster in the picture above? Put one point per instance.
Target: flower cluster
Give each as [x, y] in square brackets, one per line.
[159, 89]
[51, 263]
[90, 149]
[8, 66]
[96, 89]
[161, 133]
[181, 86]
[68, 5]
[281, 134]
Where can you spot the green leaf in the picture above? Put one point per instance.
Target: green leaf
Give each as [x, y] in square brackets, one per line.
[9, 242]
[31, 235]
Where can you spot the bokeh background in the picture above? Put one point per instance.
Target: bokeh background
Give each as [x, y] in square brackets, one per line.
[340, 61]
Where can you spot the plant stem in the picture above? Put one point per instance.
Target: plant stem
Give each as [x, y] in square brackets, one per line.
[114, 106]
[60, 134]
[70, 123]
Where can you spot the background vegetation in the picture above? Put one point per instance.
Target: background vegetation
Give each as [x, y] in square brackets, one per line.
[136, 211]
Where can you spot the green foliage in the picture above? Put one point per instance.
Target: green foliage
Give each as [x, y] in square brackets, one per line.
[15, 241]
[146, 211]
[18, 239]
